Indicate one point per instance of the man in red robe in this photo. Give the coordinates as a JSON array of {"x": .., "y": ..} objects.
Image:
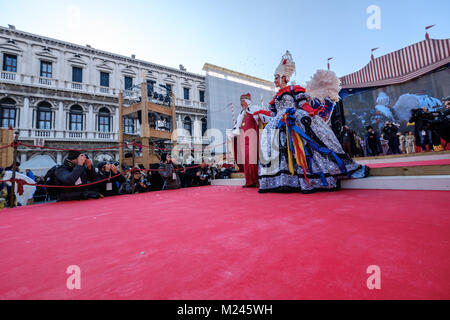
[{"x": 248, "y": 141}]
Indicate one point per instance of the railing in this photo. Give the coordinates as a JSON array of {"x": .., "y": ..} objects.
[
  {"x": 45, "y": 81},
  {"x": 42, "y": 133},
  {"x": 77, "y": 86},
  {"x": 104, "y": 90},
  {"x": 128, "y": 93},
  {"x": 63, "y": 135},
  {"x": 75, "y": 134},
  {"x": 10, "y": 76},
  {"x": 103, "y": 135}
]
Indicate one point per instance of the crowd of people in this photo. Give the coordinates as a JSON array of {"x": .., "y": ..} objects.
[
  {"x": 430, "y": 131},
  {"x": 110, "y": 179},
  {"x": 389, "y": 141}
]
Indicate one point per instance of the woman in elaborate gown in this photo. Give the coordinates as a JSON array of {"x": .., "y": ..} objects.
[{"x": 298, "y": 149}]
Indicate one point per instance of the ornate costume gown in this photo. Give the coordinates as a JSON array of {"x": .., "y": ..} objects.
[{"x": 299, "y": 151}]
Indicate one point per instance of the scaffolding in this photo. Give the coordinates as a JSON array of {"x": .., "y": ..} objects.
[{"x": 149, "y": 136}]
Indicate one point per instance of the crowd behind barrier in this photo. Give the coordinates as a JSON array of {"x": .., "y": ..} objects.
[
  {"x": 77, "y": 178},
  {"x": 430, "y": 131}
]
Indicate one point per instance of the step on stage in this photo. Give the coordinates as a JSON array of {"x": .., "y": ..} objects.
[
  {"x": 422, "y": 171},
  {"x": 224, "y": 242}
]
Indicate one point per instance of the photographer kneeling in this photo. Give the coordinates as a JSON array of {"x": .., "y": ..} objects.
[{"x": 76, "y": 170}]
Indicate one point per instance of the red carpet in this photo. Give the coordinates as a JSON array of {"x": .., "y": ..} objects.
[
  {"x": 230, "y": 243},
  {"x": 441, "y": 162}
]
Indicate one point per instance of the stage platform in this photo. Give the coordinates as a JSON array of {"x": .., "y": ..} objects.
[
  {"x": 423, "y": 171},
  {"x": 230, "y": 243}
]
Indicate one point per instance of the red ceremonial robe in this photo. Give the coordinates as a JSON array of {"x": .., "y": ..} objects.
[{"x": 249, "y": 149}]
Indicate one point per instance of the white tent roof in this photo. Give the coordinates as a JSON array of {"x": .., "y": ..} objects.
[{"x": 39, "y": 164}]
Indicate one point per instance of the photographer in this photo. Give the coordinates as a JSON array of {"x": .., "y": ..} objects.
[
  {"x": 446, "y": 111},
  {"x": 202, "y": 176},
  {"x": 348, "y": 141},
  {"x": 168, "y": 173},
  {"x": 109, "y": 187},
  {"x": 372, "y": 142},
  {"x": 155, "y": 178},
  {"x": 141, "y": 184},
  {"x": 444, "y": 128},
  {"x": 390, "y": 134},
  {"x": 429, "y": 127},
  {"x": 76, "y": 170}
]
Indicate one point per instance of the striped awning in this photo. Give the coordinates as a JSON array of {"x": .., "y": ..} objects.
[{"x": 401, "y": 66}]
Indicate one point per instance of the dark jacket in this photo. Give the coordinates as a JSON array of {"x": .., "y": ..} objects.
[
  {"x": 369, "y": 150},
  {"x": 67, "y": 175},
  {"x": 127, "y": 187},
  {"x": 204, "y": 179},
  {"x": 390, "y": 132},
  {"x": 168, "y": 173},
  {"x": 116, "y": 183}
]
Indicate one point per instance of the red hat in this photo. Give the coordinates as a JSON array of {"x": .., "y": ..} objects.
[{"x": 246, "y": 96}]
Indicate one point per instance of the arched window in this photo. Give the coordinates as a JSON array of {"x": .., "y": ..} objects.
[
  {"x": 8, "y": 112},
  {"x": 76, "y": 118},
  {"x": 104, "y": 120},
  {"x": 44, "y": 116},
  {"x": 204, "y": 126},
  {"x": 188, "y": 125}
]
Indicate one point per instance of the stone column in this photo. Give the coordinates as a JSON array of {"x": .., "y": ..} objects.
[
  {"x": 180, "y": 126},
  {"x": 60, "y": 125},
  {"x": 25, "y": 114},
  {"x": 59, "y": 157},
  {"x": 23, "y": 157},
  {"x": 90, "y": 125},
  {"x": 197, "y": 132},
  {"x": 116, "y": 119}
]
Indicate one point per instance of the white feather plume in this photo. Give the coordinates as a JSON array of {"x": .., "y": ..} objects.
[{"x": 324, "y": 84}]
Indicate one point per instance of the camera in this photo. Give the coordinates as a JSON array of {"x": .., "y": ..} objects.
[{"x": 437, "y": 121}]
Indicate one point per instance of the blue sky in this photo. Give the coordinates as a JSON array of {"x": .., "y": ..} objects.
[{"x": 248, "y": 36}]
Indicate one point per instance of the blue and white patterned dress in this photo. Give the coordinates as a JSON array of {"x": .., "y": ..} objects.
[{"x": 327, "y": 161}]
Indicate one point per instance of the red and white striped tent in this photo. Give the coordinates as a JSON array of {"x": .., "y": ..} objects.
[{"x": 401, "y": 65}]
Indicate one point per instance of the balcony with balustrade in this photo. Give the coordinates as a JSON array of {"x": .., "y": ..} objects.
[
  {"x": 46, "y": 81},
  {"x": 8, "y": 76},
  {"x": 68, "y": 135},
  {"x": 190, "y": 104}
]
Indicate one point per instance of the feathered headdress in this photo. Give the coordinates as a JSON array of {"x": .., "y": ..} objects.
[
  {"x": 324, "y": 84},
  {"x": 286, "y": 67}
]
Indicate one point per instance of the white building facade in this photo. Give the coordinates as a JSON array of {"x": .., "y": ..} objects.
[
  {"x": 66, "y": 96},
  {"x": 225, "y": 88}
]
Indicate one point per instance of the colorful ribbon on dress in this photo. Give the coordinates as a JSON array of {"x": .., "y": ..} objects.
[{"x": 295, "y": 146}]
